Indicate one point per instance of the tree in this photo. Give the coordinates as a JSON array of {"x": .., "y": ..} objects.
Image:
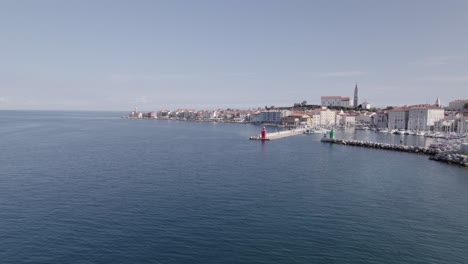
[{"x": 465, "y": 106}]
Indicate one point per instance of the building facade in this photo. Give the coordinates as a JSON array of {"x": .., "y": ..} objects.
[
  {"x": 398, "y": 118},
  {"x": 380, "y": 120},
  {"x": 422, "y": 118},
  {"x": 297, "y": 119},
  {"x": 324, "y": 117},
  {"x": 335, "y": 101},
  {"x": 343, "y": 119},
  {"x": 273, "y": 116},
  {"x": 457, "y": 105}
]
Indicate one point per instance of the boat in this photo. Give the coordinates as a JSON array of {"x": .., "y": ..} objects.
[
  {"x": 438, "y": 145},
  {"x": 401, "y": 132},
  {"x": 429, "y": 134},
  {"x": 315, "y": 131},
  {"x": 420, "y": 133},
  {"x": 361, "y": 128}
]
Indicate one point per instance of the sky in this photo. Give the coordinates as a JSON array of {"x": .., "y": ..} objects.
[{"x": 117, "y": 55}]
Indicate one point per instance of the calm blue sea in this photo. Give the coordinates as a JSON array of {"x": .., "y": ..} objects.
[{"x": 85, "y": 187}]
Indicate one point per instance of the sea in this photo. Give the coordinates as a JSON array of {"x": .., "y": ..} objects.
[{"x": 92, "y": 187}]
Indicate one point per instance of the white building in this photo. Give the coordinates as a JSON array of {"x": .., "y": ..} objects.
[
  {"x": 327, "y": 117},
  {"x": 335, "y": 101},
  {"x": 365, "y": 105},
  {"x": 135, "y": 114},
  {"x": 244, "y": 115},
  {"x": 343, "y": 119},
  {"x": 316, "y": 118},
  {"x": 207, "y": 114},
  {"x": 457, "y": 105},
  {"x": 324, "y": 117},
  {"x": 365, "y": 117},
  {"x": 398, "y": 118},
  {"x": 422, "y": 118}
]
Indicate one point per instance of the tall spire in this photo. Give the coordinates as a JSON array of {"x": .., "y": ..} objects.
[{"x": 356, "y": 96}]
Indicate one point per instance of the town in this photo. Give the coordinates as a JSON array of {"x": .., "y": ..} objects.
[{"x": 341, "y": 112}]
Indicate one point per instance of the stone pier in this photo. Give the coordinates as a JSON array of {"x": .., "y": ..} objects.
[{"x": 280, "y": 134}]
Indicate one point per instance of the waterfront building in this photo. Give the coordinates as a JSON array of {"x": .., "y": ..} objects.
[
  {"x": 183, "y": 114},
  {"x": 355, "y": 101},
  {"x": 364, "y": 117},
  {"x": 422, "y": 117},
  {"x": 398, "y": 118},
  {"x": 149, "y": 115},
  {"x": 295, "y": 119},
  {"x": 380, "y": 119},
  {"x": 209, "y": 114},
  {"x": 255, "y": 117},
  {"x": 316, "y": 118},
  {"x": 163, "y": 114},
  {"x": 335, "y": 101},
  {"x": 457, "y": 105},
  {"x": 273, "y": 116},
  {"x": 244, "y": 115},
  {"x": 324, "y": 117},
  {"x": 228, "y": 114},
  {"x": 345, "y": 119}
]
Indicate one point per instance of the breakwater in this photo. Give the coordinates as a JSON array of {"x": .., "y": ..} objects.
[
  {"x": 451, "y": 157},
  {"x": 386, "y": 146},
  {"x": 437, "y": 154},
  {"x": 280, "y": 134}
]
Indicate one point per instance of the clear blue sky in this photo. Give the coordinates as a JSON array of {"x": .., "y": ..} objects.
[{"x": 115, "y": 55}]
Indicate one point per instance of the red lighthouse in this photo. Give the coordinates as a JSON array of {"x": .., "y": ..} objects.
[{"x": 264, "y": 133}]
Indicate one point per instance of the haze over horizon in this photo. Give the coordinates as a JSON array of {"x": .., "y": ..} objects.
[{"x": 117, "y": 55}]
